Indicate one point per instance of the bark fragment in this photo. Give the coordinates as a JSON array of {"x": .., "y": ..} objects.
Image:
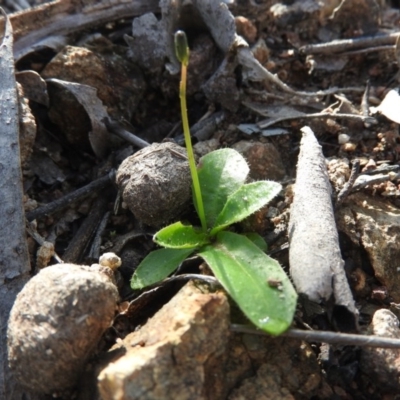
[
  {"x": 316, "y": 264},
  {"x": 14, "y": 258},
  {"x": 176, "y": 354}
]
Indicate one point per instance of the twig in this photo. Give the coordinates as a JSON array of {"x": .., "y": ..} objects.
[
  {"x": 72, "y": 197},
  {"x": 367, "y": 180},
  {"x": 350, "y": 183},
  {"x": 382, "y": 169},
  {"x": 365, "y": 119},
  {"x": 61, "y": 18},
  {"x": 204, "y": 128},
  {"x": 95, "y": 248},
  {"x": 345, "y": 339},
  {"x": 86, "y": 231},
  {"x": 260, "y": 73},
  {"x": 115, "y": 128},
  {"x": 187, "y": 277},
  {"x": 369, "y": 50},
  {"x": 342, "y": 45},
  {"x": 40, "y": 240}
]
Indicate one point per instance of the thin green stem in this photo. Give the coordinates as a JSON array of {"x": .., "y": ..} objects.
[{"x": 189, "y": 148}]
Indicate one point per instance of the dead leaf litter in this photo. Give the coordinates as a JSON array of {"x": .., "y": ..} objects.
[{"x": 102, "y": 166}]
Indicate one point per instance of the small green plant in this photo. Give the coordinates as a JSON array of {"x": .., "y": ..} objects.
[{"x": 255, "y": 281}]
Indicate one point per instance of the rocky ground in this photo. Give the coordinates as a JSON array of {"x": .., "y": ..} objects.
[{"x": 93, "y": 93}]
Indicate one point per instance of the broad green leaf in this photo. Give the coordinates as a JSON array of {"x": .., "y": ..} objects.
[
  {"x": 257, "y": 239},
  {"x": 157, "y": 265},
  {"x": 221, "y": 173},
  {"x": 179, "y": 236},
  {"x": 255, "y": 281},
  {"x": 245, "y": 201}
]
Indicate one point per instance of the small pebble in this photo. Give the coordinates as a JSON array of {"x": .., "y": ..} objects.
[
  {"x": 343, "y": 138},
  {"x": 246, "y": 28}
]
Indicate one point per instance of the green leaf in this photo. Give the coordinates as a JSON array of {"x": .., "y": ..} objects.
[
  {"x": 255, "y": 281},
  {"x": 257, "y": 239},
  {"x": 221, "y": 173},
  {"x": 179, "y": 236},
  {"x": 157, "y": 265},
  {"x": 245, "y": 201}
]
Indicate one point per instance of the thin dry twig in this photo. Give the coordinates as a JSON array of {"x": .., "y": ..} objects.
[
  {"x": 364, "y": 180},
  {"x": 82, "y": 238},
  {"x": 365, "y": 119},
  {"x": 345, "y": 45},
  {"x": 115, "y": 128},
  {"x": 72, "y": 197},
  {"x": 260, "y": 73},
  {"x": 345, "y": 339},
  {"x": 177, "y": 278},
  {"x": 40, "y": 240},
  {"x": 350, "y": 183}
]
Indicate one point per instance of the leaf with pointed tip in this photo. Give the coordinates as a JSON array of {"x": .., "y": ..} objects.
[
  {"x": 221, "y": 173},
  {"x": 157, "y": 265},
  {"x": 245, "y": 201},
  {"x": 257, "y": 239},
  {"x": 179, "y": 236},
  {"x": 256, "y": 282}
]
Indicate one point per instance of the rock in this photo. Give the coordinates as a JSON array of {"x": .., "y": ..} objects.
[
  {"x": 338, "y": 171},
  {"x": 155, "y": 183},
  {"x": 265, "y": 386},
  {"x": 176, "y": 355},
  {"x": 382, "y": 366},
  {"x": 284, "y": 367},
  {"x": 119, "y": 83},
  {"x": 375, "y": 223},
  {"x": 187, "y": 352},
  {"x": 55, "y": 325},
  {"x": 206, "y": 146},
  {"x": 263, "y": 158}
]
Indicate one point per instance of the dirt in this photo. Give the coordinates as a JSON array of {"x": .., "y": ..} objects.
[{"x": 66, "y": 143}]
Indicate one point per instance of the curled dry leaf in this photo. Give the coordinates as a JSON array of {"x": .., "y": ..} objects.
[
  {"x": 51, "y": 22},
  {"x": 87, "y": 98},
  {"x": 316, "y": 264},
  {"x": 390, "y": 106},
  {"x": 103, "y": 66}
]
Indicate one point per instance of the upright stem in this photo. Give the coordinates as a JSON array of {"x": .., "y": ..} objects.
[{"x": 189, "y": 148}]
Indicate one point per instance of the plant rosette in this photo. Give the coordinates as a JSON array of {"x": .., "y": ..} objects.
[{"x": 255, "y": 281}]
